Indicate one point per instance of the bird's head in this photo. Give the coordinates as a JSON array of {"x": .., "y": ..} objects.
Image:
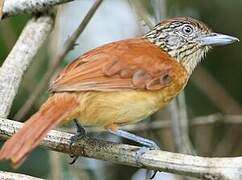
[{"x": 186, "y": 39}]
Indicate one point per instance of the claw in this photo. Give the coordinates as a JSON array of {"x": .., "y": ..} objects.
[
  {"x": 74, "y": 158},
  {"x": 147, "y": 145},
  {"x": 81, "y": 133},
  {"x": 153, "y": 174},
  {"x": 141, "y": 152}
]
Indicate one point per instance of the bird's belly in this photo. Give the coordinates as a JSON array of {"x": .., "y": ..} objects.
[{"x": 106, "y": 109}]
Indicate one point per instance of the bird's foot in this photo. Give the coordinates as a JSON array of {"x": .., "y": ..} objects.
[
  {"x": 146, "y": 143},
  {"x": 151, "y": 145},
  {"x": 81, "y": 133}
]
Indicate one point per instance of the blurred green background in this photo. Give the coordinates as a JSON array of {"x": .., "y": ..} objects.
[{"x": 223, "y": 64}]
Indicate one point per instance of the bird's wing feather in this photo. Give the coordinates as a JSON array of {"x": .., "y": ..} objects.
[{"x": 123, "y": 65}]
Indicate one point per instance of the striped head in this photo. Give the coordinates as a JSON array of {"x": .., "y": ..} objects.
[{"x": 186, "y": 39}]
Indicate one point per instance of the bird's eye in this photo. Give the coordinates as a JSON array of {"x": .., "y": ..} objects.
[{"x": 187, "y": 29}]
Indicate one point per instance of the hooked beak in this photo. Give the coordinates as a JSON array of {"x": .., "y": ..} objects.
[{"x": 216, "y": 39}]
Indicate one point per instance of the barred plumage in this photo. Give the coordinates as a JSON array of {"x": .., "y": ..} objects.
[{"x": 183, "y": 47}]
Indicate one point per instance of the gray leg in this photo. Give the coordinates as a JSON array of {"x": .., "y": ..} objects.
[{"x": 145, "y": 142}]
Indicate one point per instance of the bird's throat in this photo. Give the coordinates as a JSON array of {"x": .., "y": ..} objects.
[
  {"x": 190, "y": 61},
  {"x": 189, "y": 58}
]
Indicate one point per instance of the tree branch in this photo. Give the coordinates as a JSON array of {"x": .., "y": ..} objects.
[
  {"x": 16, "y": 176},
  {"x": 12, "y": 70},
  {"x": 15, "y": 7},
  {"x": 201, "y": 167}
]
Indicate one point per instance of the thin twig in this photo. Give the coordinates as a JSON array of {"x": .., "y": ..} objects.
[
  {"x": 15, "y": 7},
  {"x": 13, "y": 68},
  {"x": 68, "y": 45},
  {"x": 201, "y": 167},
  {"x": 159, "y": 7},
  {"x": 180, "y": 127},
  {"x": 142, "y": 14}
]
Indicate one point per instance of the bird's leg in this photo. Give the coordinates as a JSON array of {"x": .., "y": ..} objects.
[
  {"x": 151, "y": 145},
  {"x": 79, "y": 135},
  {"x": 80, "y": 130},
  {"x": 143, "y": 141}
]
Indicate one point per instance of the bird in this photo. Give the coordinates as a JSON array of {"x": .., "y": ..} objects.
[{"x": 119, "y": 83}]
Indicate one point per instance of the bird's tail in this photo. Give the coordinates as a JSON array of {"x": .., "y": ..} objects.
[{"x": 56, "y": 109}]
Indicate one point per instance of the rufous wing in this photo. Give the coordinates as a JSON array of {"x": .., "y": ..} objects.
[{"x": 123, "y": 65}]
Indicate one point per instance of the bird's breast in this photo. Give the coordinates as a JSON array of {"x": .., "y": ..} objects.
[{"x": 106, "y": 109}]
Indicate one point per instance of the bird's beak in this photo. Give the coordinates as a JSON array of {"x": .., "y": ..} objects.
[{"x": 216, "y": 39}]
